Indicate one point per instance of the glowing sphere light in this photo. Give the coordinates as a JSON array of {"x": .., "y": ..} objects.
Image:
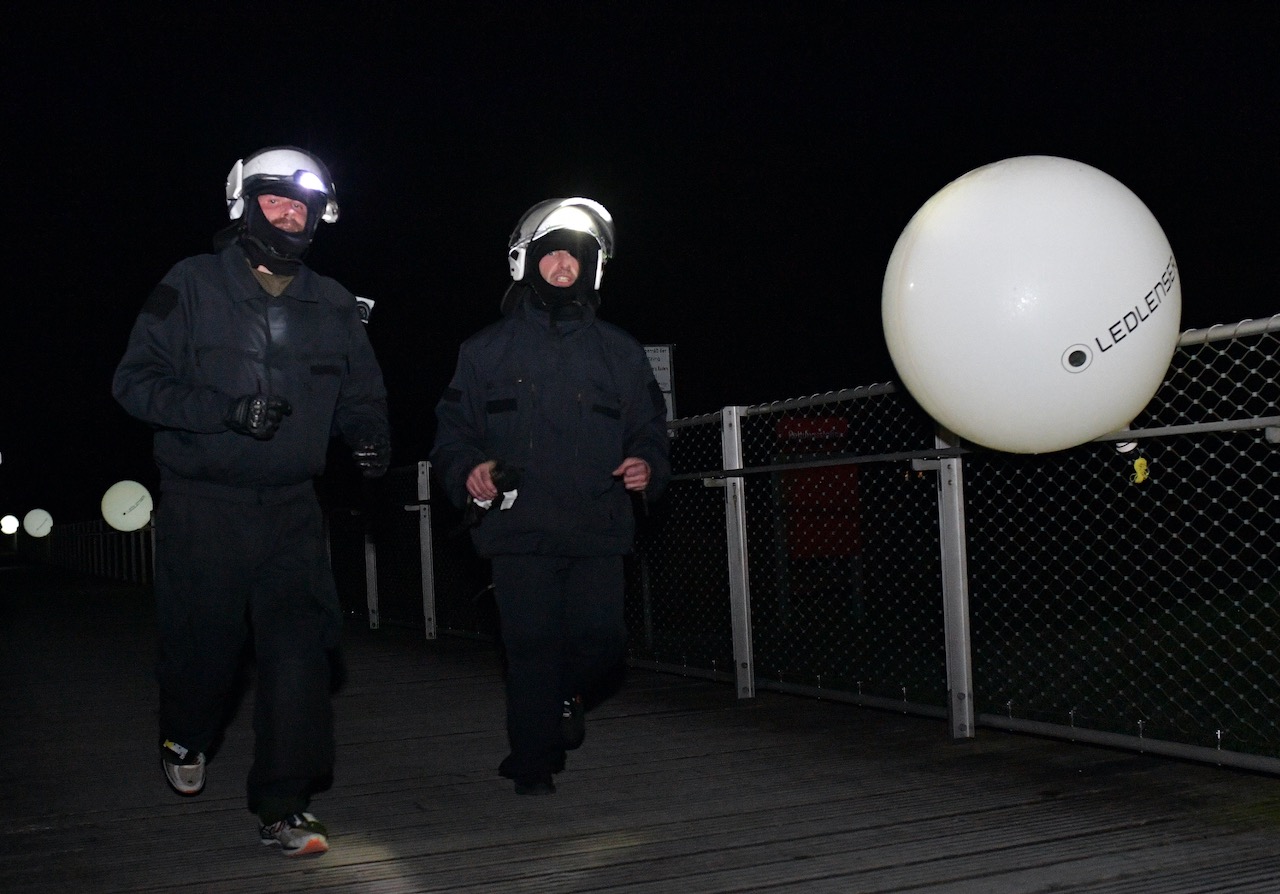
[
  {"x": 1032, "y": 305},
  {"x": 37, "y": 523}
]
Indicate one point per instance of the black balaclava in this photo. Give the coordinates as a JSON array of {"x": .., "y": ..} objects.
[
  {"x": 564, "y": 303},
  {"x": 268, "y": 245}
]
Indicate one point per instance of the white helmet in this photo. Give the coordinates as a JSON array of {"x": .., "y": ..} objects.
[
  {"x": 577, "y": 214},
  {"x": 280, "y": 165}
]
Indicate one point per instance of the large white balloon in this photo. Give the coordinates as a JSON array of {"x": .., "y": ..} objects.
[
  {"x": 126, "y": 506},
  {"x": 1032, "y": 305}
]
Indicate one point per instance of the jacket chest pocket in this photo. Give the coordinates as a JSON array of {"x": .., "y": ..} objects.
[
  {"x": 600, "y": 425},
  {"x": 322, "y": 377},
  {"x": 505, "y": 406}
]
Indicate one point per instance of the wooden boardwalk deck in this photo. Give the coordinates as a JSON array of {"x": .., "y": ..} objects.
[{"x": 679, "y": 788}]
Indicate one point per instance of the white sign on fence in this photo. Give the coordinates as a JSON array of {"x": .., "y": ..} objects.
[{"x": 660, "y": 360}]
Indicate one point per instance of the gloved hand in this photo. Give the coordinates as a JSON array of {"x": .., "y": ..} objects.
[
  {"x": 256, "y": 415},
  {"x": 505, "y": 477},
  {"x": 373, "y": 456}
]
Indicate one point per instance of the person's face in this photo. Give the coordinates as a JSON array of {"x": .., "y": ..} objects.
[
  {"x": 559, "y": 268},
  {"x": 283, "y": 213}
]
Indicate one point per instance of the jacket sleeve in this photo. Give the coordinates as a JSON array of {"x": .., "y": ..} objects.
[
  {"x": 153, "y": 381},
  {"x": 647, "y": 437},
  {"x": 459, "y": 444},
  {"x": 361, "y": 413}
]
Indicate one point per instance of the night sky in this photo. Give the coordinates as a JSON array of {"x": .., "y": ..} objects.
[{"x": 760, "y": 160}]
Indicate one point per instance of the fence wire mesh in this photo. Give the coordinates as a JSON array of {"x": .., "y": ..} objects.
[
  {"x": 1217, "y": 375},
  {"x": 677, "y": 607},
  {"x": 842, "y": 536},
  {"x": 1140, "y": 604}
]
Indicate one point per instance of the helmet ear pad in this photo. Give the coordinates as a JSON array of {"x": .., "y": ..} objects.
[{"x": 516, "y": 258}]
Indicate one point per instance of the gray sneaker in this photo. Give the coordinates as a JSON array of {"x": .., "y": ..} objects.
[
  {"x": 298, "y": 833},
  {"x": 184, "y": 775}
]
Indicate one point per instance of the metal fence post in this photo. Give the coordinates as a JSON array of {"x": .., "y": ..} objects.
[
  {"x": 371, "y": 580},
  {"x": 955, "y": 593},
  {"x": 735, "y": 514},
  {"x": 428, "y": 557}
]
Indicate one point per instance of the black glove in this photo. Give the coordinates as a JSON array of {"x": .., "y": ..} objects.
[
  {"x": 256, "y": 415},
  {"x": 373, "y": 456},
  {"x": 505, "y": 478}
]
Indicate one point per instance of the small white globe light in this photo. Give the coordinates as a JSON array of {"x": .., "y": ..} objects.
[
  {"x": 37, "y": 523},
  {"x": 1032, "y": 305},
  {"x": 126, "y": 506},
  {"x": 9, "y": 524}
]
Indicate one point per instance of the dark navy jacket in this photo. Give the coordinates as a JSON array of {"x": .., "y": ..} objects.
[
  {"x": 209, "y": 333},
  {"x": 565, "y": 404}
]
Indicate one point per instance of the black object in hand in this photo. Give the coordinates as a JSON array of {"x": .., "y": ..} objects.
[
  {"x": 256, "y": 415},
  {"x": 505, "y": 478},
  {"x": 373, "y": 456}
]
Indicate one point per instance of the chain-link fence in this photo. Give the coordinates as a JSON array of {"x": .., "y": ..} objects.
[
  {"x": 1126, "y": 591},
  {"x": 845, "y": 568},
  {"x": 680, "y": 616}
]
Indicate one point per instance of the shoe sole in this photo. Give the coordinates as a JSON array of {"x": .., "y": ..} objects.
[
  {"x": 317, "y": 844},
  {"x": 185, "y": 790},
  {"x": 313, "y": 846}
]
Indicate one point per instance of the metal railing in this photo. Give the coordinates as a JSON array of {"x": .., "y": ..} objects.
[{"x": 94, "y": 547}]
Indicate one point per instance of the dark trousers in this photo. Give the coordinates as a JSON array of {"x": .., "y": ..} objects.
[
  {"x": 564, "y": 634},
  {"x": 236, "y": 580}
]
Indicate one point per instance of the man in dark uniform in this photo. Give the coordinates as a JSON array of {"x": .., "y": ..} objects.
[
  {"x": 553, "y": 421},
  {"x": 246, "y": 363}
]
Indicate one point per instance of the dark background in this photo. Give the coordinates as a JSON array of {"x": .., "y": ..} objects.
[{"x": 760, "y": 160}]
